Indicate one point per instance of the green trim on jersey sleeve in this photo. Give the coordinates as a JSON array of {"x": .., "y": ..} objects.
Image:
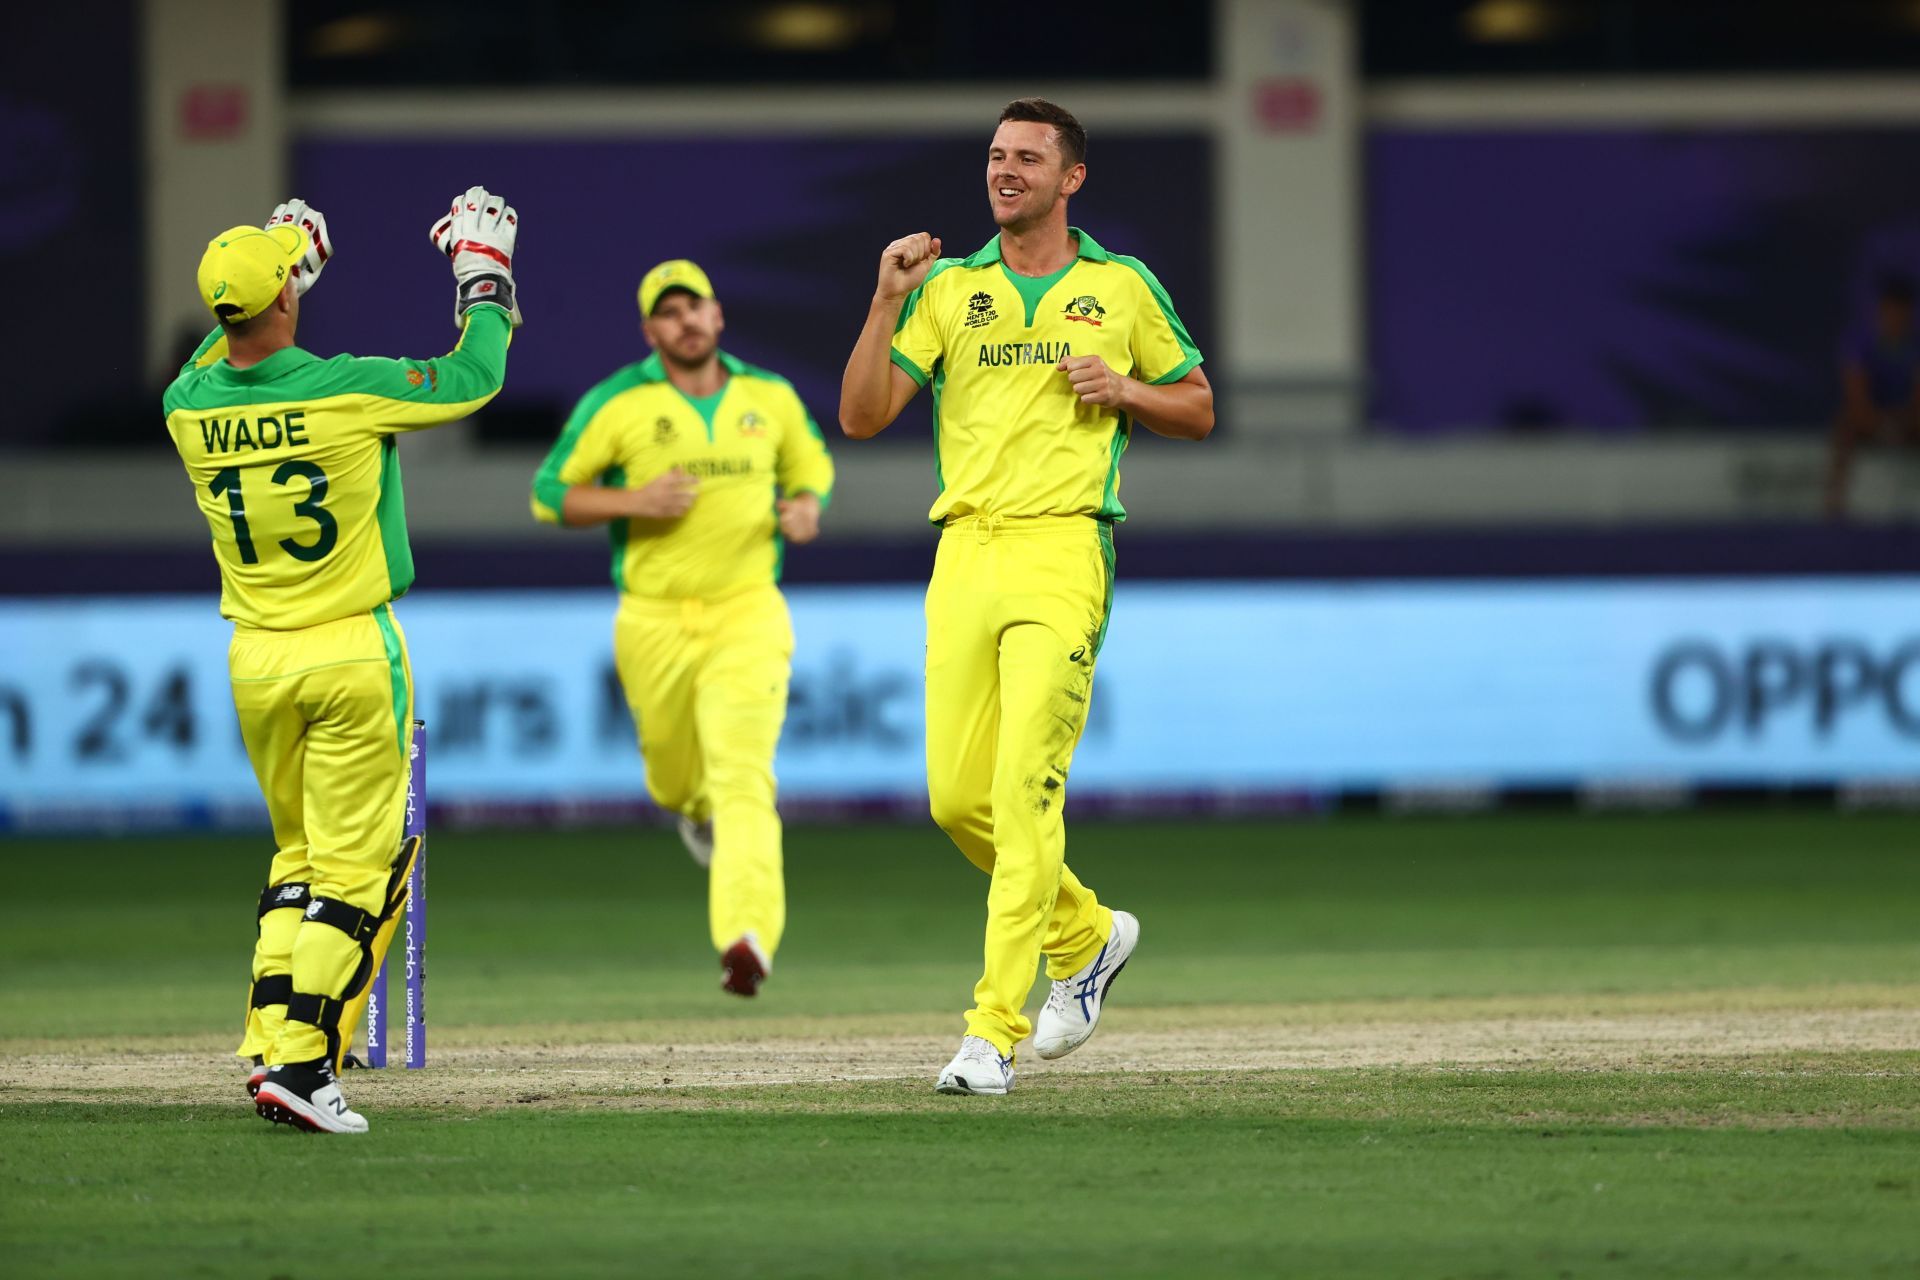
[
  {"x": 780, "y": 544},
  {"x": 549, "y": 491},
  {"x": 396, "y": 675},
  {"x": 903, "y": 362},
  {"x": 826, "y": 495},
  {"x": 1191, "y": 356},
  {"x": 798, "y": 408},
  {"x": 390, "y": 514},
  {"x": 1178, "y": 371},
  {"x": 908, "y": 367}
]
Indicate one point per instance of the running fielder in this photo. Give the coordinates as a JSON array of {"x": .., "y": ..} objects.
[
  {"x": 1043, "y": 350},
  {"x": 296, "y": 465},
  {"x": 702, "y": 467}
]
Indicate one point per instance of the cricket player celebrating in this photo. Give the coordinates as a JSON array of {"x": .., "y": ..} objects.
[
  {"x": 295, "y": 462},
  {"x": 1043, "y": 349},
  {"x": 702, "y": 467}
]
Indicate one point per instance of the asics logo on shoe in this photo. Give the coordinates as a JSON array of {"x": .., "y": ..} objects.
[{"x": 1089, "y": 985}]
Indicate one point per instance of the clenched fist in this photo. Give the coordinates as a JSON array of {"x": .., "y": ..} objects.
[
  {"x": 906, "y": 262},
  {"x": 1093, "y": 382},
  {"x": 799, "y": 517}
]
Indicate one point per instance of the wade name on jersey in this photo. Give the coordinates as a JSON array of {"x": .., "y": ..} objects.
[{"x": 283, "y": 429}]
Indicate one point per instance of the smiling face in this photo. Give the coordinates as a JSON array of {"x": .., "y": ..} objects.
[
  {"x": 683, "y": 328},
  {"x": 1027, "y": 176}
]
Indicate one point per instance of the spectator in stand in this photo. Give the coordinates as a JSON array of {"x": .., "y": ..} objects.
[{"x": 1880, "y": 387}]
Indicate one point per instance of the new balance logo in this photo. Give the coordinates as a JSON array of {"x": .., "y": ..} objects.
[{"x": 290, "y": 892}]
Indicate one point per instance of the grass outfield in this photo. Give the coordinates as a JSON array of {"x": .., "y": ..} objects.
[{"x": 1507, "y": 1046}]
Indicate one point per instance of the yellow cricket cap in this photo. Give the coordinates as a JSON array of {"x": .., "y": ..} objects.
[
  {"x": 677, "y": 274},
  {"x": 244, "y": 268}
]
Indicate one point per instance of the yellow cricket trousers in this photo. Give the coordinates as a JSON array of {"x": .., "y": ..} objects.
[
  {"x": 1016, "y": 613},
  {"x": 326, "y": 713},
  {"x": 707, "y": 683}
]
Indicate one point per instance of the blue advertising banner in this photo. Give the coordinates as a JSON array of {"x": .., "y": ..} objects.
[{"x": 117, "y": 710}]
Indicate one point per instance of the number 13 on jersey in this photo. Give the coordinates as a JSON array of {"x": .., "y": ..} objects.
[{"x": 307, "y": 506}]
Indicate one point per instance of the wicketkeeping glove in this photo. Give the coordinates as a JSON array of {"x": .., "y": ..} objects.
[
  {"x": 478, "y": 236},
  {"x": 300, "y": 214}
]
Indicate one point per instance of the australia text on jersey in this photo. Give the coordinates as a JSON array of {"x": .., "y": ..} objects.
[{"x": 997, "y": 354}]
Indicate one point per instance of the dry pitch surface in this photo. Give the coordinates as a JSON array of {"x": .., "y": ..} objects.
[{"x": 665, "y": 1063}]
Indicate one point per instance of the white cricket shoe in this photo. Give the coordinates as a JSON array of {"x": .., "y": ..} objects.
[
  {"x": 306, "y": 1095},
  {"x": 977, "y": 1068},
  {"x": 1072, "y": 1010},
  {"x": 698, "y": 837}
]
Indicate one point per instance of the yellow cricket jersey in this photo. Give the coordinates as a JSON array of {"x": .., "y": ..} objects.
[
  {"x": 1010, "y": 436},
  {"x": 297, "y": 469},
  {"x": 753, "y": 436}
]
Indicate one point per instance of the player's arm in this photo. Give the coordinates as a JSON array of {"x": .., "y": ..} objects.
[
  {"x": 883, "y": 374},
  {"x": 805, "y": 472},
  {"x": 1179, "y": 410},
  {"x": 666, "y": 497},
  {"x": 1167, "y": 393},
  {"x": 426, "y": 393},
  {"x": 579, "y": 483},
  {"x": 478, "y": 236},
  {"x": 212, "y": 349}
]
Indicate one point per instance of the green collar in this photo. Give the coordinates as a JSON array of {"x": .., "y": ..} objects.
[
  {"x": 989, "y": 252},
  {"x": 654, "y": 369},
  {"x": 280, "y": 363}
]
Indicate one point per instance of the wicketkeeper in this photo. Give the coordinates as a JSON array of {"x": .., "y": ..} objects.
[{"x": 296, "y": 465}]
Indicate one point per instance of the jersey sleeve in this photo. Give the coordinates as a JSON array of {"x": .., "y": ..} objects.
[
  {"x": 1162, "y": 351},
  {"x": 587, "y": 449},
  {"x": 917, "y": 343},
  {"x": 804, "y": 465},
  {"x": 212, "y": 349},
  {"x": 426, "y": 393}
]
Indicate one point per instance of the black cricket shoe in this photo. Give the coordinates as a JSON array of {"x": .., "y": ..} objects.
[{"x": 306, "y": 1095}]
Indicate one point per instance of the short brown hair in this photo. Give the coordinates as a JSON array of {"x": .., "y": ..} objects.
[{"x": 1072, "y": 138}]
